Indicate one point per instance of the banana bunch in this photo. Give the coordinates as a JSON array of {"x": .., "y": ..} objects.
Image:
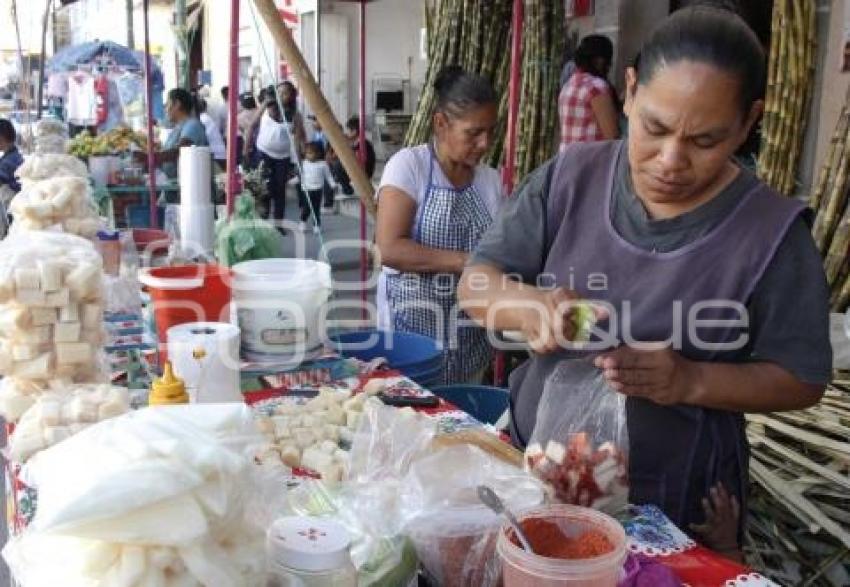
[{"x": 117, "y": 140}]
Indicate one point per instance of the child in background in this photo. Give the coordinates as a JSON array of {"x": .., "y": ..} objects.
[
  {"x": 722, "y": 523},
  {"x": 315, "y": 172}
]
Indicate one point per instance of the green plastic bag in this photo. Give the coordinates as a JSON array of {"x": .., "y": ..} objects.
[{"x": 246, "y": 237}]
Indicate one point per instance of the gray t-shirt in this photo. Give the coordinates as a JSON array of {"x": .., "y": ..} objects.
[{"x": 789, "y": 308}]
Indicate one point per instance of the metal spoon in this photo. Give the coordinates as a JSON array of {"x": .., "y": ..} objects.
[{"x": 489, "y": 498}]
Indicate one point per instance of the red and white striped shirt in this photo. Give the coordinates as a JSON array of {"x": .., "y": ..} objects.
[{"x": 578, "y": 123}]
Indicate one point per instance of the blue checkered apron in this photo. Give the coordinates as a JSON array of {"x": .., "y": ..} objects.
[{"x": 426, "y": 303}]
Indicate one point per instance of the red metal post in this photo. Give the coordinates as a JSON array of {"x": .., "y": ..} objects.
[
  {"x": 509, "y": 169},
  {"x": 361, "y": 154},
  {"x": 149, "y": 107},
  {"x": 233, "y": 98}
]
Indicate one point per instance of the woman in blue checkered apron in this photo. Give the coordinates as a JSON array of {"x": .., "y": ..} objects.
[{"x": 435, "y": 202}]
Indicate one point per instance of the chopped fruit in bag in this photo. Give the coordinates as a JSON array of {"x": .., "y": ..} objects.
[{"x": 580, "y": 474}]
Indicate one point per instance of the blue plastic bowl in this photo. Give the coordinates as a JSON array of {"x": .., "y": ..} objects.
[
  {"x": 428, "y": 378},
  {"x": 402, "y": 350},
  {"x": 483, "y": 402}
]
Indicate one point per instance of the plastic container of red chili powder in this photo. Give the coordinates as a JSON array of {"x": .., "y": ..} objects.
[{"x": 590, "y": 548}]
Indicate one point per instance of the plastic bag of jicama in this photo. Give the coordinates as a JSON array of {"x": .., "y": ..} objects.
[
  {"x": 580, "y": 441},
  {"x": 62, "y": 202},
  {"x": 51, "y": 313}
]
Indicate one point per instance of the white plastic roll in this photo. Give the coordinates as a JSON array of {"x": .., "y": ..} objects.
[
  {"x": 206, "y": 356},
  {"x": 197, "y": 213}
]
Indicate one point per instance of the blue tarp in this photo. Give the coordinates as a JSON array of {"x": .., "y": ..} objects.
[{"x": 88, "y": 53}]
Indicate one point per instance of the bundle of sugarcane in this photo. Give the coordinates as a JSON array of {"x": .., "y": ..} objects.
[
  {"x": 475, "y": 34},
  {"x": 799, "y": 524},
  {"x": 789, "y": 91},
  {"x": 470, "y": 33},
  {"x": 542, "y": 58},
  {"x": 829, "y": 201}
]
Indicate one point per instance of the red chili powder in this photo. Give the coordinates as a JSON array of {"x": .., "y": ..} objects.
[{"x": 548, "y": 540}]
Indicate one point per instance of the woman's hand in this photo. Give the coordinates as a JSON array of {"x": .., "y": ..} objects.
[
  {"x": 554, "y": 319},
  {"x": 661, "y": 374}
]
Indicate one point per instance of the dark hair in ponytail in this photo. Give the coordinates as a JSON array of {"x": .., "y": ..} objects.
[
  {"x": 591, "y": 48},
  {"x": 458, "y": 91},
  {"x": 709, "y": 35}
]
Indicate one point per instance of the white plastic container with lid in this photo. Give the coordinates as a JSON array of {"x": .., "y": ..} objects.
[
  {"x": 279, "y": 305},
  {"x": 305, "y": 551}
]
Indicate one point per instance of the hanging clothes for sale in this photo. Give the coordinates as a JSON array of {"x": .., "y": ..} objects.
[
  {"x": 101, "y": 90},
  {"x": 82, "y": 102},
  {"x": 131, "y": 94},
  {"x": 114, "y": 110}
]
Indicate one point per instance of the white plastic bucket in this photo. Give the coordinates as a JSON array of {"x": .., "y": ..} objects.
[{"x": 278, "y": 304}]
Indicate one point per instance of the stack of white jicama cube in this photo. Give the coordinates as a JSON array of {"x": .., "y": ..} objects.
[
  {"x": 51, "y": 316},
  {"x": 54, "y": 194}
]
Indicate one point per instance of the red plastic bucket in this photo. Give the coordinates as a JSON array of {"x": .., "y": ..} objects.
[{"x": 187, "y": 293}]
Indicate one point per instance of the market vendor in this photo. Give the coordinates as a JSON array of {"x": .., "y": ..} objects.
[
  {"x": 186, "y": 131},
  {"x": 663, "y": 232},
  {"x": 434, "y": 203}
]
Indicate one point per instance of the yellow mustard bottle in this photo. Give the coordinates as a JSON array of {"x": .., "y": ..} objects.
[{"x": 168, "y": 390}]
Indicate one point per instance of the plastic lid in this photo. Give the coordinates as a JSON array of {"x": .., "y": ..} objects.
[
  {"x": 169, "y": 389},
  {"x": 305, "y": 543},
  {"x": 107, "y": 235}
]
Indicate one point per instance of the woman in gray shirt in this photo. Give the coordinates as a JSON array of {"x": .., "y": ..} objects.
[{"x": 711, "y": 294}]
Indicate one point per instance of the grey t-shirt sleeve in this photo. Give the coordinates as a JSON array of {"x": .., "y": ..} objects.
[
  {"x": 789, "y": 310},
  {"x": 516, "y": 241}
]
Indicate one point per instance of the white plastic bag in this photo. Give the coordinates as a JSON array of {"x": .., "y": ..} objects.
[{"x": 154, "y": 493}]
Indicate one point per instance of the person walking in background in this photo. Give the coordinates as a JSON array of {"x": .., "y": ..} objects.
[
  {"x": 275, "y": 154},
  {"x": 221, "y": 113},
  {"x": 10, "y": 160},
  {"x": 586, "y": 105},
  {"x": 214, "y": 138},
  {"x": 250, "y": 153},
  {"x": 352, "y": 133},
  {"x": 243, "y": 121},
  {"x": 315, "y": 176}
]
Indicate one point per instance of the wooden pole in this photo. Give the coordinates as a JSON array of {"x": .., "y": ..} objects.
[{"x": 317, "y": 102}]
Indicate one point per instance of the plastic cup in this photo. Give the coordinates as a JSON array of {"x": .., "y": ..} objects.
[{"x": 523, "y": 569}]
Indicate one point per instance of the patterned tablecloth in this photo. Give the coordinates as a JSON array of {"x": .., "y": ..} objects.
[{"x": 651, "y": 535}]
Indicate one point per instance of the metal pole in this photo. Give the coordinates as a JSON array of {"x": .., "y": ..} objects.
[
  {"x": 509, "y": 170},
  {"x": 41, "y": 73},
  {"x": 149, "y": 107},
  {"x": 361, "y": 155},
  {"x": 317, "y": 22},
  {"x": 182, "y": 44},
  {"x": 233, "y": 82},
  {"x": 131, "y": 41}
]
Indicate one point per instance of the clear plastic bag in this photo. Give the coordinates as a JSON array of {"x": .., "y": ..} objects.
[
  {"x": 454, "y": 533},
  {"x": 62, "y": 412},
  {"x": 47, "y": 166},
  {"x": 58, "y": 202},
  {"x": 51, "y": 309},
  {"x": 150, "y": 496},
  {"x": 580, "y": 441}
]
